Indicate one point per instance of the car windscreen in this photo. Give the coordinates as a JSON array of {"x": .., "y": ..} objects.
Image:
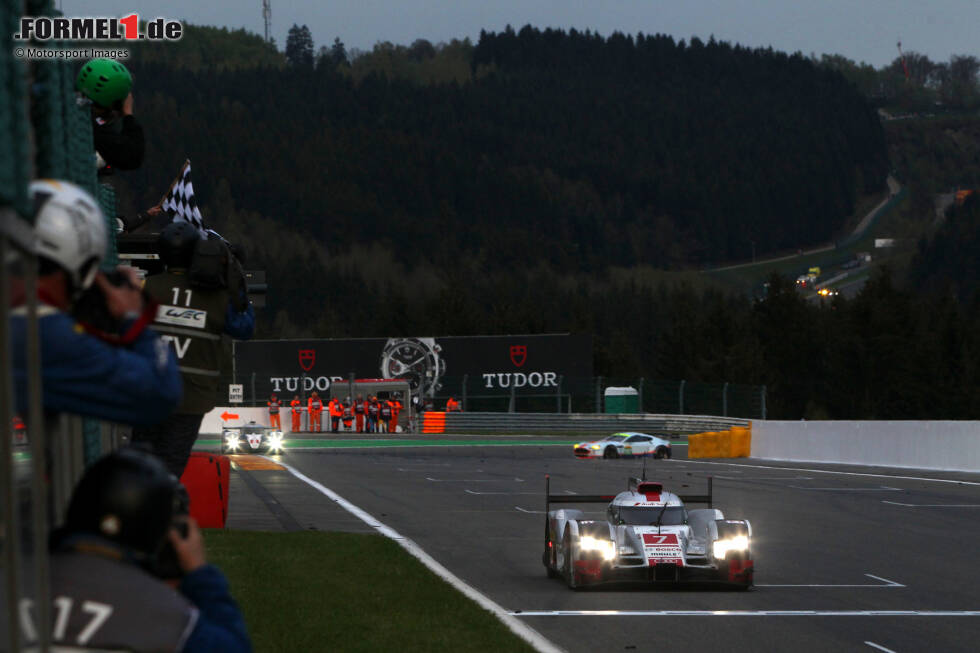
[
  {"x": 615, "y": 438},
  {"x": 647, "y": 516}
]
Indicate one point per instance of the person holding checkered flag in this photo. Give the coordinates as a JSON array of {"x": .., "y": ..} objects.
[
  {"x": 180, "y": 202},
  {"x": 201, "y": 299}
]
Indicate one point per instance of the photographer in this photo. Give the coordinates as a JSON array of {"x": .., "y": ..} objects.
[
  {"x": 126, "y": 518},
  {"x": 124, "y": 374},
  {"x": 196, "y": 308},
  {"x": 119, "y": 140}
]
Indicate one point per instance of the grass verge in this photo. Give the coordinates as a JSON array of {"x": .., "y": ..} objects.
[{"x": 317, "y": 591}]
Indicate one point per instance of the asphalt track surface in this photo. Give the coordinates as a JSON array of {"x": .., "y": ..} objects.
[{"x": 859, "y": 559}]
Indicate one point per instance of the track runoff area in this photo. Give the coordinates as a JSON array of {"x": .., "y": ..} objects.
[{"x": 847, "y": 558}]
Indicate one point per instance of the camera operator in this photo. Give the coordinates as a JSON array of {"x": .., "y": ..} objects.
[
  {"x": 124, "y": 374},
  {"x": 107, "y": 585},
  {"x": 196, "y": 308}
]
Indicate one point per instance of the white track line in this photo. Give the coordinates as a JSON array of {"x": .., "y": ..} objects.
[
  {"x": 933, "y": 505},
  {"x": 888, "y": 583},
  {"x": 883, "y": 488},
  {"x": 471, "y": 480},
  {"x": 765, "y": 478},
  {"x": 746, "y": 613},
  {"x": 503, "y": 493},
  {"x": 522, "y": 630},
  {"x": 830, "y": 471},
  {"x": 879, "y": 647},
  {"x": 422, "y": 446}
]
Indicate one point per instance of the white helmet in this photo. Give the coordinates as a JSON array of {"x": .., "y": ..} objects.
[{"x": 69, "y": 229}]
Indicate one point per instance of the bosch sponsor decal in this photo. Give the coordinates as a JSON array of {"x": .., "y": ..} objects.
[
  {"x": 180, "y": 316},
  {"x": 662, "y": 548}
]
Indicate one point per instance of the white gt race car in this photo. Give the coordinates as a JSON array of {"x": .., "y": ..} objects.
[
  {"x": 648, "y": 536},
  {"x": 251, "y": 438},
  {"x": 624, "y": 445}
]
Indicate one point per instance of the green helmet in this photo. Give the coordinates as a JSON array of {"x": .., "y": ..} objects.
[{"x": 104, "y": 81}]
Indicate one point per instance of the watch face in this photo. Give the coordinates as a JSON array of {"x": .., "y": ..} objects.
[{"x": 412, "y": 360}]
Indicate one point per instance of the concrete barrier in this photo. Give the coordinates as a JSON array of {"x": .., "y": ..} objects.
[
  {"x": 212, "y": 423},
  {"x": 945, "y": 445}
]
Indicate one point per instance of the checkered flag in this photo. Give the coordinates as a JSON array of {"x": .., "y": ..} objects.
[{"x": 179, "y": 202}]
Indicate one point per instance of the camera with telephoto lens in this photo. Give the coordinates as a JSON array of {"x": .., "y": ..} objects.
[
  {"x": 91, "y": 308},
  {"x": 166, "y": 565}
]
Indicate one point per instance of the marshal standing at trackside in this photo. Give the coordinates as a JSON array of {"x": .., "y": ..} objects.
[{"x": 195, "y": 310}]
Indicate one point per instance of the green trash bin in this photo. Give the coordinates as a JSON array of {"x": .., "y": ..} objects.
[{"x": 622, "y": 400}]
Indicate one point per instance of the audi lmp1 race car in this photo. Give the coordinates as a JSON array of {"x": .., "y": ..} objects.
[
  {"x": 624, "y": 445},
  {"x": 252, "y": 438},
  {"x": 648, "y": 536}
]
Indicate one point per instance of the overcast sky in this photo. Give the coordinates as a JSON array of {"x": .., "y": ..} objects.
[{"x": 862, "y": 30}]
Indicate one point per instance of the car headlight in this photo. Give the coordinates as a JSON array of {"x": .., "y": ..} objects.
[
  {"x": 595, "y": 446},
  {"x": 605, "y": 547},
  {"x": 275, "y": 441},
  {"x": 231, "y": 440},
  {"x": 737, "y": 543}
]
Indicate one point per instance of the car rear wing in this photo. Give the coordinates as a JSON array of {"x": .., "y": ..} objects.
[{"x": 634, "y": 485}]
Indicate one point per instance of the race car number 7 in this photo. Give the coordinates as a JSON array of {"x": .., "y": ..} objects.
[{"x": 658, "y": 539}]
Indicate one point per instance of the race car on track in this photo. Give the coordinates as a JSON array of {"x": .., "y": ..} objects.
[
  {"x": 251, "y": 438},
  {"x": 649, "y": 536},
  {"x": 624, "y": 445}
]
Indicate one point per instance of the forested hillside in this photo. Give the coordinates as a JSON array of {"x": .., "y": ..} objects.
[
  {"x": 531, "y": 183},
  {"x": 571, "y": 148}
]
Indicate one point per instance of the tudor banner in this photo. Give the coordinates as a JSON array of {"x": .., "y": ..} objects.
[{"x": 494, "y": 364}]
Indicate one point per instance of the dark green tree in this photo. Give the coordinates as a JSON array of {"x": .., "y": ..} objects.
[
  {"x": 299, "y": 47},
  {"x": 338, "y": 53}
]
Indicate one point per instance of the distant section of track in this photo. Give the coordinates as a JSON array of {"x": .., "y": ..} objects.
[{"x": 844, "y": 555}]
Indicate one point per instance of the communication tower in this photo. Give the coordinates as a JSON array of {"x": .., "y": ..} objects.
[{"x": 267, "y": 16}]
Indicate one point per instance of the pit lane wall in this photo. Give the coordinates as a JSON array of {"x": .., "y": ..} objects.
[{"x": 944, "y": 445}]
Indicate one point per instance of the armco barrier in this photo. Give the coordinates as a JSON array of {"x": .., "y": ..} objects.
[
  {"x": 945, "y": 445},
  {"x": 527, "y": 423},
  {"x": 579, "y": 423}
]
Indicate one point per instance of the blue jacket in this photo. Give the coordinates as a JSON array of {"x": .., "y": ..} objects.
[
  {"x": 221, "y": 627},
  {"x": 81, "y": 374}
]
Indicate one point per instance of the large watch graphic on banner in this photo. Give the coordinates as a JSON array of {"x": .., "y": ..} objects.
[{"x": 416, "y": 360}]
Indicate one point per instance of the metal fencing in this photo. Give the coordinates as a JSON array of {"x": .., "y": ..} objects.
[
  {"x": 588, "y": 395},
  {"x": 43, "y": 133},
  {"x": 585, "y": 423},
  {"x": 488, "y": 393}
]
